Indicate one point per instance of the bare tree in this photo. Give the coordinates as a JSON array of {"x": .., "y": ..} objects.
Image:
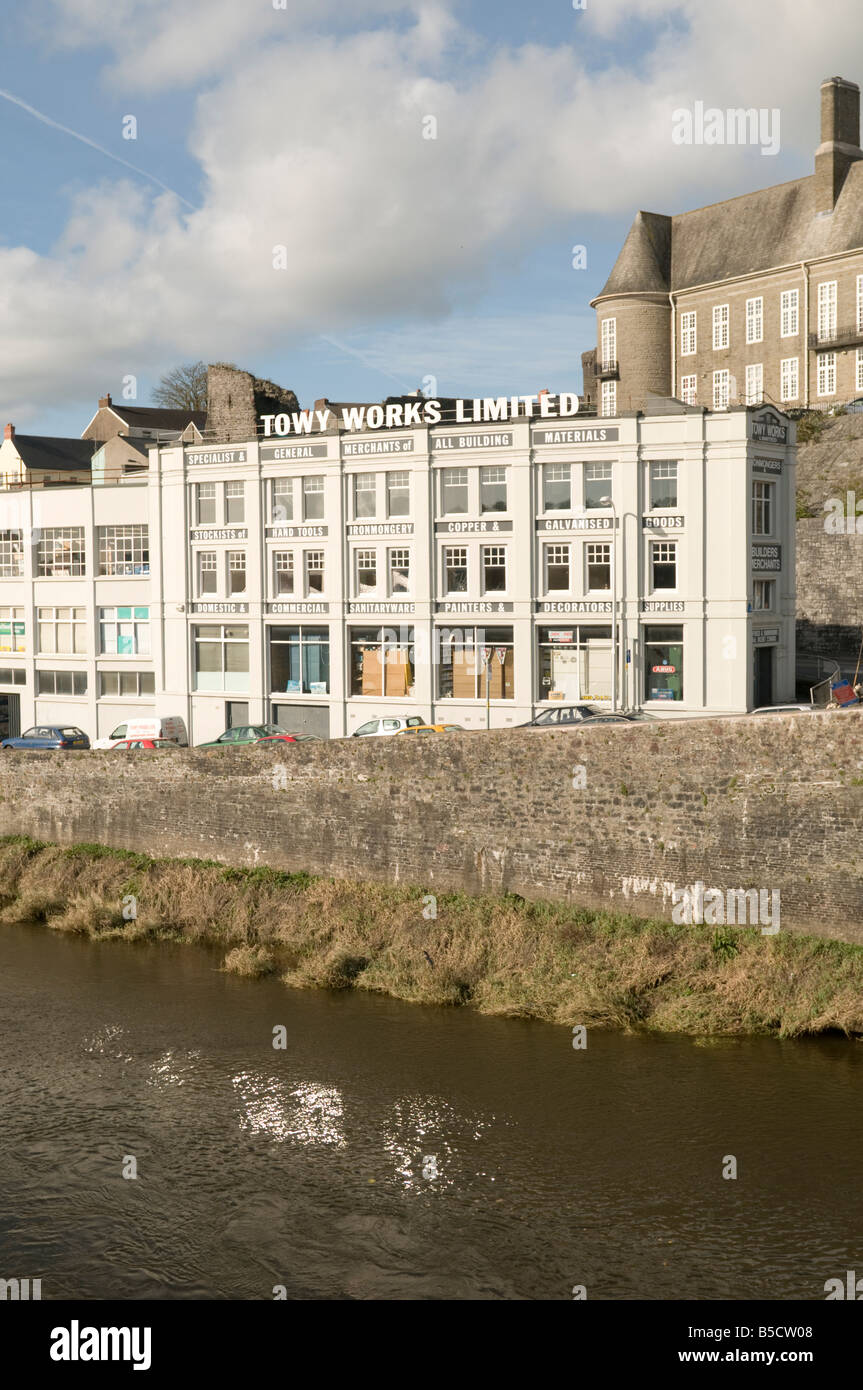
[{"x": 183, "y": 388}]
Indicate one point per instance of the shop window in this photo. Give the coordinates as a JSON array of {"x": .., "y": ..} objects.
[
  {"x": 663, "y": 663},
  {"x": 382, "y": 661},
  {"x": 299, "y": 660},
  {"x": 575, "y": 664},
  {"x": 463, "y": 673},
  {"x": 221, "y": 657}
]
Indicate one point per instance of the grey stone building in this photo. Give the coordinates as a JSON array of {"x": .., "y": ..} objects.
[{"x": 757, "y": 298}]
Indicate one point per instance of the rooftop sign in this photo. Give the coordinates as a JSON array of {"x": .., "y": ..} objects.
[{"x": 401, "y": 415}]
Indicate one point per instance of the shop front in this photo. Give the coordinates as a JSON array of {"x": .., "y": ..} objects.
[{"x": 574, "y": 663}]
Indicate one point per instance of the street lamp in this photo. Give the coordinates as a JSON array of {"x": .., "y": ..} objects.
[{"x": 608, "y": 502}]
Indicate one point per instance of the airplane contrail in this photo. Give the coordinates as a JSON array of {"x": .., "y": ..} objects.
[{"x": 85, "y": 140}]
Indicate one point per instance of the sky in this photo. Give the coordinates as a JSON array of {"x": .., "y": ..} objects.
[{"x": 359, "y": 200}]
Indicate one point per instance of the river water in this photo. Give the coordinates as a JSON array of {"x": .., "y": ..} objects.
[{"x": 397, "y": 1151}]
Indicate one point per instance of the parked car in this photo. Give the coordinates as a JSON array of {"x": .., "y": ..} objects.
[
  {"x": 245, "y": 734},
  {"x": 127, "y": 744},
  {"x": 802, "y": 707},
  {"x": 167, "y": 726},
  {"x": 49, "y": 736},
  {"x": 607, "y": 719},
  {"x": 433, "y": 729},
  {"x": 377, "y": 728},
  {"x": 561, "y": 714}
]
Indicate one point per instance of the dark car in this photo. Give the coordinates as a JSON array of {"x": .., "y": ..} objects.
[
  {"x": 49, "y": 736},
  {"x": 246, "y": 734},
  {"x": 562, "y": 714}
]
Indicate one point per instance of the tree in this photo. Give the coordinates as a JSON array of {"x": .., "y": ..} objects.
[{"x": 183, "y": 388}]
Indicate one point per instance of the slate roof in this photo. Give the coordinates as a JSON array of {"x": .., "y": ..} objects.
[
  {"x": 58, "y": 455},
  {"x": 741, "y": 236},
  {"x": 148, "y": 417}
]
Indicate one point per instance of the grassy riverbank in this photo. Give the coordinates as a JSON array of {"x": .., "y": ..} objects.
[{"x": 500, "y": 956}]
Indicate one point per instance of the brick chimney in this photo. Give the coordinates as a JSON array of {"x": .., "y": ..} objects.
[
  {"x": 104, "y": 402},
  {"x": 9, "y": 432},
  {"x": 840, "y": 140}
]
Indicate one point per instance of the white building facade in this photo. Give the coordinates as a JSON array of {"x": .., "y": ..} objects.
[{"x": 466, "y": 574}]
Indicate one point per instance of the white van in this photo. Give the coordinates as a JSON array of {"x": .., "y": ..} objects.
[{"x": 169, "y": 726}]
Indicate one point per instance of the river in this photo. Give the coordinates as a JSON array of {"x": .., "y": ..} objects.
[{"x": 395, "y": 1151}]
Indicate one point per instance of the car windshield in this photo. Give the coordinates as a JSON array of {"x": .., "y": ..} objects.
[{"x": 549, "y": 716}]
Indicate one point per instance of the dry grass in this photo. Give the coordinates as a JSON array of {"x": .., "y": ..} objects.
[{"x": 500, "y": 956}]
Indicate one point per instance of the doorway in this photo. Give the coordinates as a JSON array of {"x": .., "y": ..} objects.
[
  {"x": 10, "y": 716},
  {"x": 763, "y": 676}
]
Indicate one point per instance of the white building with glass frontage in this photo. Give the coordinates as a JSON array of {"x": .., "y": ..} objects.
[{"x": 467, "y": 574}]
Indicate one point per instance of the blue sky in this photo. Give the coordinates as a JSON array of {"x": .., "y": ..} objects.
[{"x": 407, "y": 257}]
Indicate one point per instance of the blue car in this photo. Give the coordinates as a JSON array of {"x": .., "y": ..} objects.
[{"x": 49, "y": 736}]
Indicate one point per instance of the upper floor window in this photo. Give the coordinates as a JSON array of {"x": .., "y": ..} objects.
[
  {"x": 11, "y": 554},
  {"x": 755, "y": 320},
  {"x": 205, "y": 504},
  {"x": 398, "y": 494},
  {"x": 608, "y": 342},
  {"x": 454, "y": 491},
  {"x": 12, "y": 633},
  {"x": 688, "y": 389},
  {"x": 365, "y": 494},
  {"x": 826, "y": 373},
  {"x": 62, "y": 630},
  {"x": 367, "y": 571},
  {"x": 124, "y": 631},
  {"x": 283, "y": 562},
  {"x": 493, "y": 561},
  {"x": 236, "y": 571},
  {"x": 663, "y": 564},
  {"x": 124, "y": 550},
  {"x": 281, "y": 499},
  {"x": 860, "y": 303},
  {"x": 687, "y": 333},
  {"x": 754, "y": 383},
  {"x": 313, "y": 498},
  {"x": 598, "y": 566},
  {"x": 208, "y": 572},
  {"x": 492, "y": 489},
  {"x": 789, "y": 313},
  {"x": 609, "y": 398},
  {"x": 827, "y": 309},
  {"x": 557, "y": 487},
  {"x": 235, "y": 503},
  {"x": 720, "y": 390},
  {"x": 557, "y": 559},
  {"x": 314, "y": 571},
  {"x": 789, "y": 388},
  {"x": 455, "y": 569},
  {"x": 60, "y": 552},
  {"x": 762, "y": 595},
  {"x": 400, "y": 571},
  {"x": 762, "y": 509},
  {"x": 597, "y": 485},
  {"x": 663, "y": 483},
  {"x": 721, "y": 335}
]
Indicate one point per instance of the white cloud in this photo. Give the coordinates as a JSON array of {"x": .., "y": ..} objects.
[{"x": 314, "y": 141}]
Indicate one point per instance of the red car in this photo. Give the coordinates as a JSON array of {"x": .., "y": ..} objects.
[
  {"x": 247, "y": 734},
  {"x": 129, "y": 743}
]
